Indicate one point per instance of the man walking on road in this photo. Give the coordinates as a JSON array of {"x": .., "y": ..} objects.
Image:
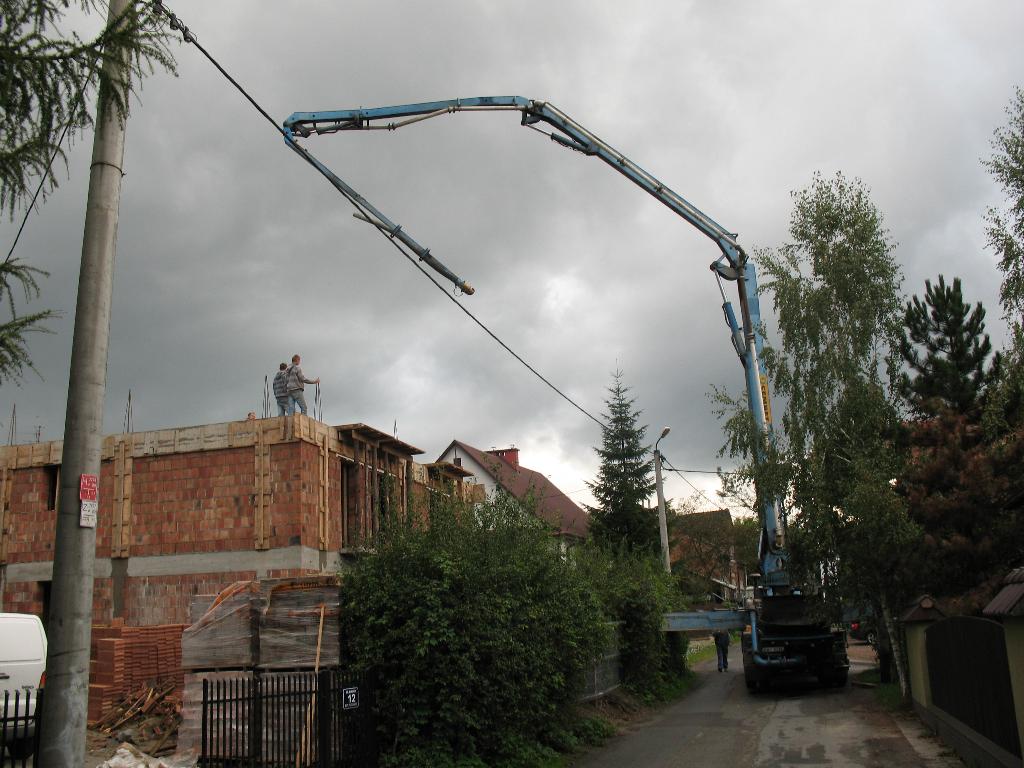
[
  {"x": 296, "y": 385},
  {"x": 722, "y": 646}
]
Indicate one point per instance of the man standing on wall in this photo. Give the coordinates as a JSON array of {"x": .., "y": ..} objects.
[
  {"x": 281, "y": 391},
  {"x": 296, "y": 386}
]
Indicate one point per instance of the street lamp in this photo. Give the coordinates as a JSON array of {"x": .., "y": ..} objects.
[{"x": 662, "y": 523}]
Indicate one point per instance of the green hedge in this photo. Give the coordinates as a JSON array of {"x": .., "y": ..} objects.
[
  {"x": 478, "y": 632},
  {"x": 634, "y": 589}
]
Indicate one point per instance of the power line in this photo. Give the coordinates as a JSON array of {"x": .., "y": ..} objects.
[
  {"x": 188, "y": 37},
  {"x": 687, "y": 481},
  {"x": 39, "y": 189},
  {"x": 707, "y": 472}
]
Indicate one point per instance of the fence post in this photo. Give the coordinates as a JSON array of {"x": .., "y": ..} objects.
[
  {"x": 324, "y": 703},
  {"x": 256, "y": 720},
  {"x": 204, "y": 720},
  {"x": 38, "y": 717}
]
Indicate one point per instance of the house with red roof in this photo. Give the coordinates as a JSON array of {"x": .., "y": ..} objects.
[{"x": 500, "y": 469}]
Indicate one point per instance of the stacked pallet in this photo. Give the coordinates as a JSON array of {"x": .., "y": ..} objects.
[
  {"x": 270, "y": 624},
  {"x": 124, "y": 659},
  {"x": 256, "y": 627},
  {"x": 224, "y": 636},
  {"x": 291, "y": 629}
]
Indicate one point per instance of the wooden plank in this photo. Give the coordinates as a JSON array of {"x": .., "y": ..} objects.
[
  {"x": 7, "y": 478},
  {"x": 322, "y": 517},
  {"x": 344, "y": 505},
  {"x": 120, "y": 535},
  {"x": 126, "y": 495},
  {"x": 262, "y": 491}
]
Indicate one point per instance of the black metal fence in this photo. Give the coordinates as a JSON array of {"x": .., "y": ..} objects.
[
  {"x": 19, "y": 727},
  {"x": 605, "y": 673},
  {"x": 969, "y": 675},
  {"x": 288, "y": 719}
]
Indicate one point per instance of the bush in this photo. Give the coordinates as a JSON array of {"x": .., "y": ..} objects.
[
  {"x": 635, "y": 590},
  {"x": 478, "y": 630}
]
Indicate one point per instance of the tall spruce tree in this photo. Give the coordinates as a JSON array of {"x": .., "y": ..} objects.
[
  {"x": 947, "y": 351},
  {"x": 624, "y": 481}
]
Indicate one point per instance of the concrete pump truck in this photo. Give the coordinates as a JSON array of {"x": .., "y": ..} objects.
[{"x": 782, "y": 633}]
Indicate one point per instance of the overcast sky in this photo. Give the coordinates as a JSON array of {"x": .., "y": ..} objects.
[{"x": 233, "y": 254}]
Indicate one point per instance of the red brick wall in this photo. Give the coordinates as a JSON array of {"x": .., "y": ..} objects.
[
  {"x": 288, "y": 480},
  {"x": 24, "y": 597},
  {"x": 166, "y": 599},
  {"x": 334, "y": 504},
  {"x": 102, "y": 600},
  {"x": 309, "y": 499},
  {"x": 31, "y": 524},
  {"x": 193, "y": 502}
]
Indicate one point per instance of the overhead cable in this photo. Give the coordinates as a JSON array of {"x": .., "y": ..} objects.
[{"x": 188, "y": 37}]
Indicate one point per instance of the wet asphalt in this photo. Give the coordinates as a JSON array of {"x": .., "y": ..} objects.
[{"x": 796, "y": 723}]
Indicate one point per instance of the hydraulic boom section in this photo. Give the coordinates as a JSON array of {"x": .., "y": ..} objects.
[{"x": 732, "y": 265}]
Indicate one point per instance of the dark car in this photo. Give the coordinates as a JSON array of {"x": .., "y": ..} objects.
[{"x": 863, "y": 629}]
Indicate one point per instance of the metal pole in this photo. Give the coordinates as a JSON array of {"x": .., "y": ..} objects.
[
  {"x": 65, "y": 707},
  {"x": 662, "y": 522}
]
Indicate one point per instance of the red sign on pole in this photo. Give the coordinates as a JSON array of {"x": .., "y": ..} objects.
[{"x": 88, "y": 488}]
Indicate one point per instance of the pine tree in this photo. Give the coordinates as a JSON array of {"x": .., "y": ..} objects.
[
  {"x": 946, "y": 348},
  {"x": 624, "y": 481},
  {"x": 47, "y": 83}
]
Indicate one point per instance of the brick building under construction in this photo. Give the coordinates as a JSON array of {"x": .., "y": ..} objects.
[{"x": 189, "y": 511}]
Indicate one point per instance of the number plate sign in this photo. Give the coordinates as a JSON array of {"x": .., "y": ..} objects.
[
  {"x": 88, "y": 494},
  {"x": 350, "y": 698},
  {"x": 773, "y": 649},
  {"x": 88, "y": 488}
]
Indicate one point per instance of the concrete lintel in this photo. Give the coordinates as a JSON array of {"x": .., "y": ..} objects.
[{"x": 282, "y": 558}]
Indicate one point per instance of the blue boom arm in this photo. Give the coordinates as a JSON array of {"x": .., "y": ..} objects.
[{"x": 732, "y": 265}]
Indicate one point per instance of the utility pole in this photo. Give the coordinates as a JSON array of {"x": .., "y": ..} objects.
[
  {"x": 65, "y": 705},
  {"x": 662, "y": 519}
]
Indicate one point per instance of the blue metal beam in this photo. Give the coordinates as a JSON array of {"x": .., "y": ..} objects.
[{"x": 706, "y": 621}]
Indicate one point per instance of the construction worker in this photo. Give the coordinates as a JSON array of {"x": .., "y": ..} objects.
[
  {"x": 296, "y": 386},
  {"x": 281, "y": 390}
]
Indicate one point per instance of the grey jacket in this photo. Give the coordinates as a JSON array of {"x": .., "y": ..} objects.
[{"x": 295, "y": 379}]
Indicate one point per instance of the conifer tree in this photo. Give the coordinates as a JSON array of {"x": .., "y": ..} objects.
[
  {"x": 624, "y": 481},
  {"x": 947, "y": 350},
  {"x": 48, "y": 79}
]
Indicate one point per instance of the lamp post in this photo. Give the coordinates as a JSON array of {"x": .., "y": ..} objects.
[{"x": 662, "y": 522}]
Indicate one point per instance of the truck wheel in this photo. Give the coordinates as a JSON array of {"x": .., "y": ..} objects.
[{"x": 832, "y": 678}]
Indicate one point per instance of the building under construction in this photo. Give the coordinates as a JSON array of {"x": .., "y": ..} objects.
[{"x": 191, "y": 510}]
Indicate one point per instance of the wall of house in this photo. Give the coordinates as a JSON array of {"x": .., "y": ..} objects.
[{"x": 481, "y": 475}]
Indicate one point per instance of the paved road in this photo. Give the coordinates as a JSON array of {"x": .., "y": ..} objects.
[{"x": 720, "y": 725}]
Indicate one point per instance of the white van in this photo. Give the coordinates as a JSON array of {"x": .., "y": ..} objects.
[{"x": 22, "y": 672}]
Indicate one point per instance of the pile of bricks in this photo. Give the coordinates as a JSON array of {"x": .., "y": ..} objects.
[{"x": 123, "y": 659}]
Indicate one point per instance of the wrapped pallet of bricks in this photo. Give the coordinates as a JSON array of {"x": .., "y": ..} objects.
[
  {"x": 290, "y": 622},
  {"x": 257, "y": 633},
  {"x": 225, "y": 636}
]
